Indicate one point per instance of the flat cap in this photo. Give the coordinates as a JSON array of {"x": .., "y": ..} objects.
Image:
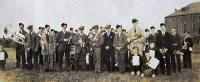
[
  {"x": 108, "y": 26},
  {"x": 30, "y": 27},
  {"x": 95, "y": 27},
  {"x": 81, "y": 27}
]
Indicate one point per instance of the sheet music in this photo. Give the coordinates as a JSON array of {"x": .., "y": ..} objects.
[
  {"x": 135, "y": 60},
  {"x": 2, "y": 56},
  {"x": 152, "y": 53},
  {"x": 87, "y": 59},
  {"x": 153, "y": 63},
  {"x": 190, "y": 48}
]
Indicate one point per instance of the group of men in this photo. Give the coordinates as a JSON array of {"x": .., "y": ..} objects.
[{"x": 105, "y": 48}]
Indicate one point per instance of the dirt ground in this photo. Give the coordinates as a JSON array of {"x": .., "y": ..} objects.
[{"x": 18, "y": 75}]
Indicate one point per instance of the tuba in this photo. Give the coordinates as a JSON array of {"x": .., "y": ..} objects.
[{"x": 14, "y": 35}]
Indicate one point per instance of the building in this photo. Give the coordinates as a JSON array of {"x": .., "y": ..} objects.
[{"x": 187, "y": 19}]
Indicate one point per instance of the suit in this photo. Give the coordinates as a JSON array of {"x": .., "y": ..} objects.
[
  {"x": 40, "y": 49},
  {"x": 90, "y": 49},
  {"x": 20, "y": 52},
  {"x": 163, "y": 42},
  {"x": 45, "y": 49},
  {"x": 120, "y": 40},
  {"x": 97, "y": 43},
  {"x": 32, "y": 46},
  {"x": 63, "y": 48},
  {"x": 80, "y": 50},
  {"x": 52, "y": 52},
  {"x": 137, "y": 34},
  {"x": 109, "y": 56},
  {"x": 175, "y": 57},
  {"x": 187, "y": 44}
]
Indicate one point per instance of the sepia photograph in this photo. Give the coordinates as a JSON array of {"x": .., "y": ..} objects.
[{"x": 100, "y": 41}]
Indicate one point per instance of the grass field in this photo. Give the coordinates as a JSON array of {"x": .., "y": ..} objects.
[{"x": 17, "y": 75}]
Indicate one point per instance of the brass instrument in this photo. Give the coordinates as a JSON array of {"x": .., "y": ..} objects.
[
  {"x": 185, "y": 45},
  {"x": 163, "y": 51},
  {"x": 15, "y": 36}
]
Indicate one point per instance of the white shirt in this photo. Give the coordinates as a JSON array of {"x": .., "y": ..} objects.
[
  {"x": 163, "y": 33},
  {"x": 64, "y": 31},
  {"x": 108, "y": 33}
]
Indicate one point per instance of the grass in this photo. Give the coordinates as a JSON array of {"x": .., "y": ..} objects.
[{"x": 17, "y": 75}]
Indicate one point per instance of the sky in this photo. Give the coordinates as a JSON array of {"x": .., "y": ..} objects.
[{"x": 86, "y": 12}]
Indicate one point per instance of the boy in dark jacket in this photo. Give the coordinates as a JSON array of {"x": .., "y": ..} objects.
[{"x": 187, "y": 49}]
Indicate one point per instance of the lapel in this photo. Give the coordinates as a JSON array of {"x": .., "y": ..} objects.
[
  {"x": 81, "y": 36},
  {"x": 32, "y": 36}
]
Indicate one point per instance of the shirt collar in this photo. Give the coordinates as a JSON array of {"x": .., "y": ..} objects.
[{"x": 64, "y": 31}]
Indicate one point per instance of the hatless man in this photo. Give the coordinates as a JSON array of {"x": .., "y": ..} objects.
[
  {"x": 136, "y": 35},
  {"x": 120, "y": 41},
  {"x": 63, "y": 38},
  {"x": 163, "y": 44},
  {"x": 20, "y": 49},
  {"x": 176, "y": 48}
]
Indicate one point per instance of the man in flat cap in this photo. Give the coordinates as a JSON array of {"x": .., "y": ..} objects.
[
  {"x": 97, "y": 43},
  {"x": 108, "y": 48},
  {"x": 72, "y": 34},
  {"x": 63, "y": 38},
  {"x": 81, "y": 42},
  {"x": 32, "y": 45}
]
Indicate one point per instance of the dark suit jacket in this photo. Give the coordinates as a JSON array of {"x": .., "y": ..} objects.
[
  {"x": 76, "y": 39},
  {"x": 120, "y": 42},
  {"x": 60, "y": 40},
  {"x": 32, "y": 41},
  {"x": 108, "y": 40},
  {"x": 176, "y": 42},
  {"x": 152, "y": 37},
  {"x": 163, "y": 41},
  {"x": 98, "y": 43}
]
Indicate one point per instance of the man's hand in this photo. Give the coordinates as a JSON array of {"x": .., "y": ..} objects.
[
  {"x": 107, "y": 47},
  {"x": 87, "y": 54},
  {"x": 118, "y": 48},
  {"x": 66, "y": 40}
]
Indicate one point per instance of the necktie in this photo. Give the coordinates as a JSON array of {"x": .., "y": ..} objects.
[
  {"x": 47, "y": 37},
  {"x": 30, "y": 35}
]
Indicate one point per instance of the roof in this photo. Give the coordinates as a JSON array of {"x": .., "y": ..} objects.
[{"x": 193, "y": 8}]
